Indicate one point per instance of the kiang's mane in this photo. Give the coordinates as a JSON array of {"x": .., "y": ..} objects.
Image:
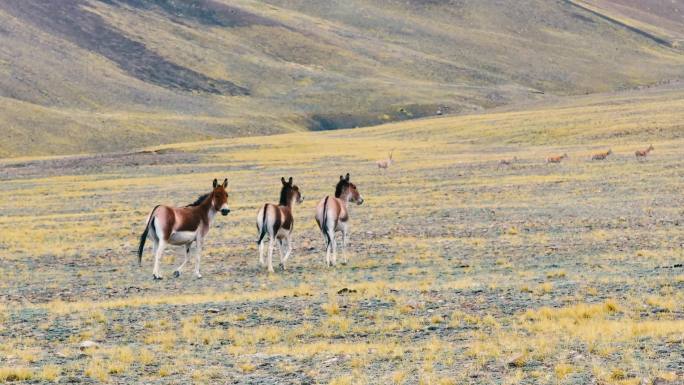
[
  {"x": 199, "y": 200},
  {"x": 339, "y": 189},
  {"x": 285, "y": 195}
]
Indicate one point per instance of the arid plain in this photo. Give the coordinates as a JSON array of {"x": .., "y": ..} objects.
[{"x": 462, "y": 270}]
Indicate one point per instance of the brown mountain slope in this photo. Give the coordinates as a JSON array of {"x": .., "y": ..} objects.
[
  {"x": 102, "y": 75},
  {"x": 663, "y": 19}
]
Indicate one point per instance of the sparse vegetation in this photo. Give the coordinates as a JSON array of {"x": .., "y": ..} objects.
[{"x": 460, "y": 271}]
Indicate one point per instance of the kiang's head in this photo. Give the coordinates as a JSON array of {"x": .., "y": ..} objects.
[
  {"x": 290, "y": 192},
  {"x": 347, "y": 190},
  {"x": 219, "y": 197}
]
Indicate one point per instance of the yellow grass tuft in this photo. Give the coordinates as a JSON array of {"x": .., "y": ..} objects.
[
  {"x": 563, "y": 370},
  {"x": 345, "y": 380},
  {"x": 9, "y": 374},
  {"x": 398, "y": 377},
  {"x": 145, "y": 357},
  {"x": 246, "y": 367},
  {"x": 331, "y": 308},
  {"x": 97, "y": 370},
  {"x": 50, "y": 373}
]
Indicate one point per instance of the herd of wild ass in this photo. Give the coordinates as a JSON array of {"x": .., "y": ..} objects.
[{"x": 181, "y": 226}]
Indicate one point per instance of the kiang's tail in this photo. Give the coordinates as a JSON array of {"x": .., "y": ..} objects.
[
  {"x": 143, "y": 237},
  {"x": 324, "y": 223},
  {"x": 263, "y": 226}
]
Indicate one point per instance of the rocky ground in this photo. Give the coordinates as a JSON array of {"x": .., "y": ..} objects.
[{"x": 461, "y": 270}]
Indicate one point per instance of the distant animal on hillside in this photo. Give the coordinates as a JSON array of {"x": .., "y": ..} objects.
[
  {"x": 556, "y": 159},
  {"x": 643, "y": 153},
  {"x": 332, "y": 215},
  {"x": 507, "y": 162},
  {"x": 277, "y": 221},
  {"x": 181, "y": 226},
  {"x": 385, "y": 163},
  {"x": 601, "y": 155}
]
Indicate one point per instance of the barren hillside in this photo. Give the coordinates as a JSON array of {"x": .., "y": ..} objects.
[{"x": 108, "y": 75}]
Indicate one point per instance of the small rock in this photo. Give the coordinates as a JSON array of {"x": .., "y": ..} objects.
[
  {"x": 213, "y": 310},
  {"x": 413, "y": 304},
  {"x": 516, "y": 361},
  {"x": 346, "y": 290},
  {"x": 87, "y": 345}
]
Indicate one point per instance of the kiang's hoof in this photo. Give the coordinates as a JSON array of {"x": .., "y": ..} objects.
[
  {"x": 282, "y": 267},
  {"x": 156, "y": 278},
  {"x": 343, "y": 263},
  {"x": 198, "y": 276},
  {"x": 176, "y": 274}
]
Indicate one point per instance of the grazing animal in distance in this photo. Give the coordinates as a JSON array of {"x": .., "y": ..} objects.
[
  {"x": 277, "y": 221},
  {"x": 643, "y": 153},
  {"x": 385, "y": 163},
  {"x": 556, "y": 159},
  {"x": 507, "y": 162},
  {"x": 181, "y": 226},
  {"x": 332, "y": 215},
  {"x": 601, "y": 155}
]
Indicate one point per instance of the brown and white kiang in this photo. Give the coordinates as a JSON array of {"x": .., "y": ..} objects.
[
  {"x": 332, "y": 215},
  {"x": 181, "y": 226},
  {"x": 277, "y": 221}
]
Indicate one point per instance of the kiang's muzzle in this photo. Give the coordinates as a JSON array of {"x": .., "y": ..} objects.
[{"x": 225, "y": 211}]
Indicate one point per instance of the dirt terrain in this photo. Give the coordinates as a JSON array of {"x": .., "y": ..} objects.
[{"x": 462, "y": 270}]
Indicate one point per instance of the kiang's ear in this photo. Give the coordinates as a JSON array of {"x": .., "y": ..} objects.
[
  {"x": 290, "y": 181},
  {"x": 341, "y": 177},
  {"x": 347, "y": 177},
  {"x": 215, "y": 182},
  {"x": 282, "y": 179},
  {"x": 225, "y": 183}
]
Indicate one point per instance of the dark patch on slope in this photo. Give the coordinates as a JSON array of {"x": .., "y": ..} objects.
[
  {"x": 615, "y": 21},
  {"x": 335, "y": 121},
  {"x": 70, "y": 20},
  {"x": 207, "y": 12}
]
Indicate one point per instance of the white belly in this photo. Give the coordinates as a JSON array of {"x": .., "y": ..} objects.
[
  {"x": 282, "y": 233},
  {"x": 182, "y": 237}
]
